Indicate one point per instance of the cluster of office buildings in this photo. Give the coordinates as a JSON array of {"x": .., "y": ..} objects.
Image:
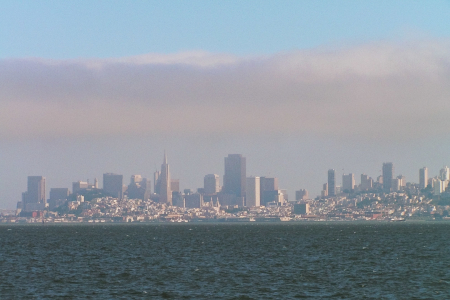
[
  {"x": 237, "y": 190},
  {"x": 261, "y": 196},
  {"x": 386, "y": 182}
]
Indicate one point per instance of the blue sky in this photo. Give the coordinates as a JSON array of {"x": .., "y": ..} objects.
[{"x": 73, "y": 29}]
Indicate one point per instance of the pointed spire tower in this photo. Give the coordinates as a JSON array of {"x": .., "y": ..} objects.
[{"x": 165, "y": 190}]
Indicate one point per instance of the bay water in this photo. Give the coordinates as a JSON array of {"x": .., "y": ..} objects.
[{"x": 337, "y": 260}]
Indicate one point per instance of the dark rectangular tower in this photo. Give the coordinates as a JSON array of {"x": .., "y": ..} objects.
[
  {"x": 234, "y": 180},
  {"x": 423, "y": 178},
  {"x": 36, "y": 189},
  {"x": 388, "y": 175},
  {"x": 34, "y": 198},
  {"x": 331, "y": 183},
  {"x": 113, "y": 185}
]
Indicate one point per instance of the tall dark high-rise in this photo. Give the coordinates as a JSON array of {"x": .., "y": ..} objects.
[
  {"x": 366, "y": 182},
  {"x": 234, "y": 180},
  {"x": 211, "y": 184},
  {"x": 268, "y": 184},
  {"x": 268, "y": 189},
  {"x": 348, "y": 182},
  {"x": 59, "y": 193},
  {"x": 423, "y": 177},
  {"x": 388, "y": 175},
  {"x": 165, "y": 195},
  {"x": 58, "y": 196},
  {"x": 113, "y": 185},
  {"x": 331, "y": 183},
  {"x": 34, "y": 197},
  {"x": 36, "y": 189}
]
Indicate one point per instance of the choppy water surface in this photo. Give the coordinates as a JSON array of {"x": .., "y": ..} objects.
[{"x": 226, "y": 261}]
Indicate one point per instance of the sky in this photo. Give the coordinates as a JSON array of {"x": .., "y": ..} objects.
[{"x": 297, "y": 87}]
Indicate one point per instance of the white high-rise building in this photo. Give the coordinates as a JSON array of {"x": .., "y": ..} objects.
[
  {"x": 402, "y": 180},
  {"x": 438, "y": 186},
  {"x": 444, "y": 174},
  {"x": 253, "y": 197},
  {"x": 396, "y": 184}
]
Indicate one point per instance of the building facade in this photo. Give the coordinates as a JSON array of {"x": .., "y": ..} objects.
[
  {"x": 252, "y": 190},
  {"x": 58, "y": 196},
  {"x": 165, "y": 195},
  {"x": 348, "y": 182},
  {"x": 113, "y": 185},
  {"x": 301, "y": 194},
  {"x": 366, "y": 182},
  {"x": 211, "y": 184},
  {"x": 444, "y": 174},
  {"x": 388, "y": 175},
  {"x": 331, "y": 183},
  {"x": 268, "y": 188},
  {"x": 423, "y": 178},
  {"x": 34, "y": 198},
  {"x": 234, "y": 180}
]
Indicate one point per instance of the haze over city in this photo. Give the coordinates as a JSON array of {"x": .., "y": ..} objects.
[{"x": 298, "y": 88}]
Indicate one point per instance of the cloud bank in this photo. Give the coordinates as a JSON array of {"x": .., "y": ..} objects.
[{"x": 382, "y": 90}]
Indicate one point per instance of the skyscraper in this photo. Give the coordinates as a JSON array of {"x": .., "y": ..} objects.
[
  {"x": 402, "y": 180},
  {"x": 234, "y": 180},
  {"x": 36, "y": 189},
  {"x": 113, "y": 185},
  {"x": 444, "y": 173},
  {"x": 331, "y": 183},
  {"x": 324, "y": 192},
  {"x": 156, "y": 181},
  {"x": 366, "y": 182},
  {"x": 388, "y": 175},
  {"x": 165, "y": 195},
  {"x": 269, "y": 184},
  {"x": 252, "y": 191},
  {"x": 211, "y": 184},
  {"x": 135, "y": 179},
  {"x": 34, "y": 197},
  {"x": 438, "y": 186},
  {"x": 175, "y": 185},
  {"x": 348, "y": 182},
  {"x": 396, "y": 185},
  {"x": 59, "y": 193},
  {"x": 423, "y": 177},
  {"x": 268, "y": 189},
  {"x": 57, "y": 197},
  {"x": 301, "y": 194},
  {"x": 139, "y": 188}
]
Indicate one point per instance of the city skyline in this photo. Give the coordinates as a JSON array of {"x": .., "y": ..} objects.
[
  {"x": 147, "y": 146},
  {"x": 91, "y": 88},
  {"x": 261, "y": 199},
  {"x": 235, "y": 167}
]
